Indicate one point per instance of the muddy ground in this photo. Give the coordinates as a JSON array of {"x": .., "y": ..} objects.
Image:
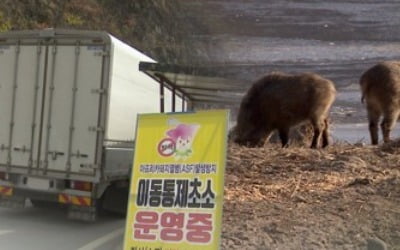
[{"x": 299, "y": 198}]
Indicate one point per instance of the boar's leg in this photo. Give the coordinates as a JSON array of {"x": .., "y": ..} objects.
[
  {"x": 284, "y": 136},
  {"x": 373, "y": 118},
  {"x": 267, "y": 135},
  {"x": 325, "y": 133},
  {"x": 318, "y": 127},
  {"x": 388, "y": 123}
]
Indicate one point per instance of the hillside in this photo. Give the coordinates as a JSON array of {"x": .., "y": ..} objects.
[{"x": 160, "y": 28}]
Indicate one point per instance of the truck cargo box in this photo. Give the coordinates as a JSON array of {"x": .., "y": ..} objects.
[{"x": 64, "y": 94}]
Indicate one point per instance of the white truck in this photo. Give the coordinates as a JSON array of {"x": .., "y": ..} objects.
[{"x": 68, "y": 106}]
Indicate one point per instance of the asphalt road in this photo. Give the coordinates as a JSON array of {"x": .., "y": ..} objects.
[
  {"x": 338, "y": 39},
  {"x": 49, "y": 229},
  {"x": 339, "y": 20}
]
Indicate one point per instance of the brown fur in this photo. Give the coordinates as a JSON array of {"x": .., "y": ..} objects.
[
  {"x": 380, "y": 87},
  {"x": 280, "y": 101}
]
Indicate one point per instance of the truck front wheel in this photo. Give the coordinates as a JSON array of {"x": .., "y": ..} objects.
[{"x": 116, "y": 199}]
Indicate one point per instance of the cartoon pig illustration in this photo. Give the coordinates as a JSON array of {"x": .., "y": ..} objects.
[{"x": 183, "y": 136}]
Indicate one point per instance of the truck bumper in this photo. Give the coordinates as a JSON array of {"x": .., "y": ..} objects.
[{"x": 9, "y": 194}]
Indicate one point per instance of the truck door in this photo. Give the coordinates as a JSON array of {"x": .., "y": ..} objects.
[
  {"x": 71, "y": 108},
  {"x": 21, "y": 89}
]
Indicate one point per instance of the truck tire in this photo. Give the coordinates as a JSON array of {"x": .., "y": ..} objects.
[{"x": 116, "y": 200}]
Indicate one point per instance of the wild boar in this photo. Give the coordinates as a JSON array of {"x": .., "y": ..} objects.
[
  {"x": 279, "y": 101},
  {"x": 380, "y": 87}
]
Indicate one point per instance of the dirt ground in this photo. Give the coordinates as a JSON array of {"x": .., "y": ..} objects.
[{"x": 299, "y": 198}]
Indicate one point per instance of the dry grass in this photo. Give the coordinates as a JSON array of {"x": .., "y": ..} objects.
[{"x": 352, "y": 192}]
